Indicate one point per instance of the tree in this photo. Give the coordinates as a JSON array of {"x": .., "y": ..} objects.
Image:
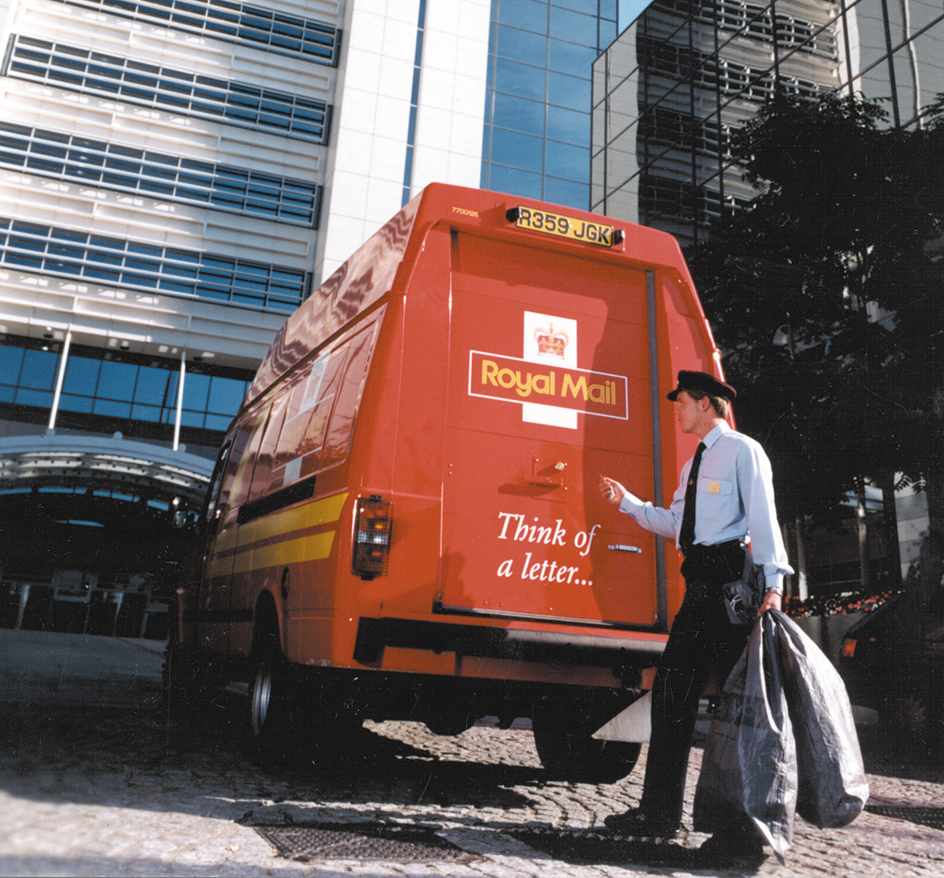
[{"x": 825, "y": 296}]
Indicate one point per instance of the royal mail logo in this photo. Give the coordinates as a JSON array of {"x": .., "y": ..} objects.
[
  {"x": 551, "y": 343},
  {"x": 511, "y": 379}
]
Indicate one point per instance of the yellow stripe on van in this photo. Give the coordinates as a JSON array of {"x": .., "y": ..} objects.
[
  {"x": 313, "y": 548},
  {"x": 264, "y": 544},
  {"x": 306, "y": 515}
]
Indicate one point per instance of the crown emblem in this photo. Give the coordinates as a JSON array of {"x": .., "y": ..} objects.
[{"x": 551, "y": 343}]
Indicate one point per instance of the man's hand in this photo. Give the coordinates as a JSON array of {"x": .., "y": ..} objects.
[
  {"x": 611, "y": 490},
  {"x": 771, "y": 601}
]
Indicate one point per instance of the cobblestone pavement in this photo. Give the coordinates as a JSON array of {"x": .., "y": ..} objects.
[{"x": 94, "y": 781}]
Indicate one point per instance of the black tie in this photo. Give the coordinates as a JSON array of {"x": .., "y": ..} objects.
[{"x": 687, "y": 535}]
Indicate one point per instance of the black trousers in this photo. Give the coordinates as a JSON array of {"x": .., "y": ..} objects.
[{"x": 702, "y": 642}]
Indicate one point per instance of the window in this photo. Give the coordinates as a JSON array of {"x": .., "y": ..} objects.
[
  {"x": 568, "y": 91},
  {"x": 542, "y": 52},
  {"x": 234, "y": 190},
  {"x": 563, "y": 160},
  {"x": 309, "y": 410},
  {"x": 520, "y": 79},
  {"x": 569, "y": 126},
  {"x": 522, "y": 45},
  {"x": 173, "y": 271},
  {"x": 234, "y": 103},
  {"x": 39, "y": 369},
  {"x": 527, "y": 14},
  {"x": 11, "y": 359},
  {"x": 517, "y": 150},
  {"x": 519, "y": 114},
  {"x": 574, "y": 27},
  {"x": 118, "y": 386}
]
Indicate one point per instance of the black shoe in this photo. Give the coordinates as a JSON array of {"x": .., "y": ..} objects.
[
  {"x": 639, "y": 823},
  {"x": 742, "y": 848}
]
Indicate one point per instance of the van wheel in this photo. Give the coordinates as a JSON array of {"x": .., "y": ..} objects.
[
  {"x": 562, "y": 737},
  {"x": 266, "y": 708}
]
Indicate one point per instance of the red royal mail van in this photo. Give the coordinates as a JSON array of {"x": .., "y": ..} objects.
[{"x": 404, "y": 522}]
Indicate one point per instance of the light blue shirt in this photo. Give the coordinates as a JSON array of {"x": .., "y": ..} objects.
[{"x": 734, "y": 501}]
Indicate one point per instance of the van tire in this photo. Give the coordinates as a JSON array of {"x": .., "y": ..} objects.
[
  {"x": 265, "y": 713},
  {"x": 567, "y": 750}
]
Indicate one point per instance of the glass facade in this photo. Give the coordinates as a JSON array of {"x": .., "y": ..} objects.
[
  {"x": 537, "y": 115},
  {"x": 670, "y": 90},
  {"x": 414, "y": 103},
  {"x": 177, "y": 272},
  {"x": 104, "y": 391},
  {"x": 256, "y": 26},
  {"x": 168, "y": 177},
  {"x": 163, "y": 165},
  {"x": 151, "y": 85},
  {"x": 109, "y": 142}
]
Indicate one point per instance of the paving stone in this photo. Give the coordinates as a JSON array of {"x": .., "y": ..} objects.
[{"x": 94, "y": 781}]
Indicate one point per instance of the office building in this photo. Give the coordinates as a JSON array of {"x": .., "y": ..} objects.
[
  {"x": 537, "y": 115},
  {"x": 668, "y": 93},
  {"x": 175, "y": 178}
]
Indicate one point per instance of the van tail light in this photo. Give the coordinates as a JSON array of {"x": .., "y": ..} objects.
[
  {"x": 373, "y": 520},
  {"x": 849, "y": 647}
]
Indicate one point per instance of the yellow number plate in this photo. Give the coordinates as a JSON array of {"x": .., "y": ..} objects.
[{"x": 564, "y": 226}]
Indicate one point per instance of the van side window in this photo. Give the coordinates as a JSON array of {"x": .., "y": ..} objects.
[
  {"x": 239, "y": 469},
  {"x": 309, "y": 410},
  {"x": 211, "y": 503},
  {"x": 350, "y": 390},
  {"x": 265, "y": 456}
]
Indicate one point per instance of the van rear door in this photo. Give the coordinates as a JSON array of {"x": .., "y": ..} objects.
[{"x": 549, "y": 386}]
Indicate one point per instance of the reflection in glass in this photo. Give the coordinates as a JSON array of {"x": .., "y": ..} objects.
[
  {"x": 543, "y": 51},
  {"x": 117, "y": 381},
  {"x": 564, "y": 160},
  {"x": 518, "y": 114},
  {"x": 39, "y": 370},
  {"x": 575, "y": 27},
  {"x": 520, "y": 79},
  {"x": 517, "y": 150},
  {"x": 570, "y": 126},
  {"x": 568, "y": 91},
  {"x": 522, "y": 45},
  {"x": 196, "y": 391},
  {"x": 529, "y": 14},
  {"x": 121, "y": 387}
]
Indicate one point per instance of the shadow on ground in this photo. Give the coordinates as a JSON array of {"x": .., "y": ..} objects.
[{"x": 69, "y": 735}]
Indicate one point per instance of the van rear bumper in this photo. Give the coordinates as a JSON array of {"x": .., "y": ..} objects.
[{"x": 487, "y": 641}]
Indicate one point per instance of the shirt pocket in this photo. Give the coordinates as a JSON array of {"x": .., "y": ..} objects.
[{"x": 716, "y": 499}]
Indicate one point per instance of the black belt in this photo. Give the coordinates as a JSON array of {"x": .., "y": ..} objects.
[{"x": 714, "y": 565}]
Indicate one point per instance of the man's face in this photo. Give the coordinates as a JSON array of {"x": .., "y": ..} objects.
[{"x": 687, "y": 412}]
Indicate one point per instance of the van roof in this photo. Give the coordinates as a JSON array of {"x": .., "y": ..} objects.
[{"x": 371, "y": 272}]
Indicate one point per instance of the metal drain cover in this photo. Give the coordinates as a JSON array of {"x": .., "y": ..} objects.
[
  {"x": 586, "y": 847},
  {"x": 932, "y": 817},
  {"x": 362, "y": 841}
]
